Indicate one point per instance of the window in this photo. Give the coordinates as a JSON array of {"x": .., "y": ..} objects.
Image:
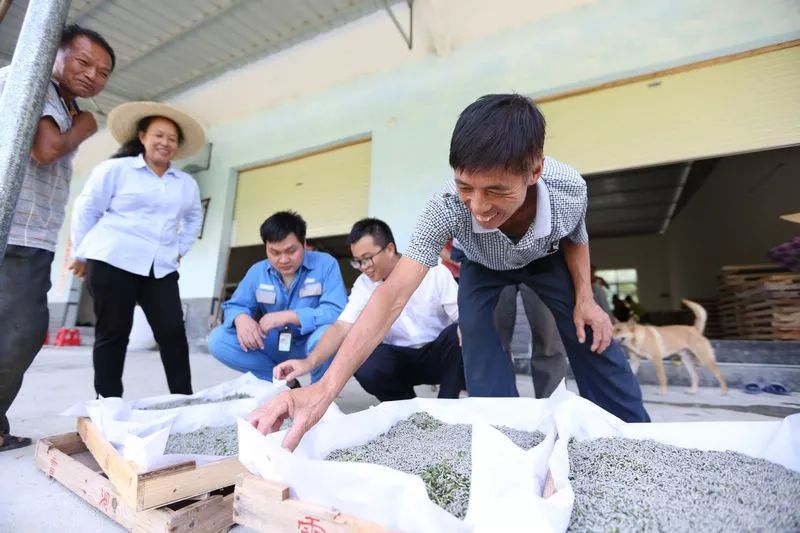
[{"x": 622, "y": 281}]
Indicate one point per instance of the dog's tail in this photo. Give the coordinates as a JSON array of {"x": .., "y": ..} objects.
[{"x": 700, "y": 314}]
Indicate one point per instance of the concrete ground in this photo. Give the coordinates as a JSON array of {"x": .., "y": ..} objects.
[{"x": 60, "y": 377}]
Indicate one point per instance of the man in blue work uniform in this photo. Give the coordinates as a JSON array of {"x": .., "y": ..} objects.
[{"x": 283, "y": 305}]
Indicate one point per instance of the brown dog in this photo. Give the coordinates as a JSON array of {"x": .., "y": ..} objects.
[{"x": 658, "y": 342}]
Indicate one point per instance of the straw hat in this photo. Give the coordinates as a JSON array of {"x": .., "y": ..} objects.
[
  {"x": 794, "y": 217},
  {"x": 122, "y": 121}
]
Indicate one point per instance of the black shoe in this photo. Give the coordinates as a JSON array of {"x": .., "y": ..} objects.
[{"x": 10, "y": 442}]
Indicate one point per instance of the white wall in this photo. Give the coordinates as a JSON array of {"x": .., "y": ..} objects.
[{"x": 408, "y": 101}]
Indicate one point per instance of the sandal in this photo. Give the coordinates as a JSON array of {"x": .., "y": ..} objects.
[
  {"x": 776, "y": 388},
  {"x": 10, "y": 442},
  {"x": 752, "y": 388}
]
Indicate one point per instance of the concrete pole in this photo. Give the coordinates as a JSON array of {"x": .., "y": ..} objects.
[{"x": 23, "y": 97}]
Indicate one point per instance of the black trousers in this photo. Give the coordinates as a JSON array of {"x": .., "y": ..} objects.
[
  {"x": 116, "y": 293},
  {"x": 605, "y": 379},
  {"x": 549, "y": 363},
  {"x": 24, "y": 282},
  {"x": 391, "y": 372}
]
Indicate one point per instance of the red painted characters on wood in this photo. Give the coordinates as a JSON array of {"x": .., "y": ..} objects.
[{"x": 309, "y": 525}]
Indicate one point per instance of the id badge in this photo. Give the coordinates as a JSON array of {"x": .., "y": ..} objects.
[{"x": 285, "y": 341}]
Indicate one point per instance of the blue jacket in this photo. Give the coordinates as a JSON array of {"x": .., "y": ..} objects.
[{"x": 317, "y": 293}]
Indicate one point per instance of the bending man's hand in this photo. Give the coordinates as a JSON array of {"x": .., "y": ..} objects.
[
  {"x": 588, "y": 313},
  {"x": 304, "y": 406},
  {"x": 292, "y": 369}
]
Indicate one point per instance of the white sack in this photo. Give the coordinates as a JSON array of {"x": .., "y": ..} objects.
[{"x": 398, "y": 500}]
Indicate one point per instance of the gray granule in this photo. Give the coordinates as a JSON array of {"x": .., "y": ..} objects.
[
  {"x": 193, "y": 401},
  {"x": 221, "y": 440},
  {"x": 641, "y": 485},
  {"x": 524, "y": 439},
  {"x": 441, "y": 454}
]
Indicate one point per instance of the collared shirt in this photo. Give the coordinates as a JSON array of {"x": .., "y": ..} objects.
[
  {"x": 316, "y": 294},
  {"x": 560, "y": 212},
  {"x": 129, "y": 217},
  {"x": 45, "y": 188},
  {"x": 432, "y": 307}
]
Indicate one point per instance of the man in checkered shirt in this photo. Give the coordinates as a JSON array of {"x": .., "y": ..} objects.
[{"x": 520, "y": 218}]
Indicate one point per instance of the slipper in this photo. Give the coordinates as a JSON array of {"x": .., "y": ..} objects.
[
  {"x": 777, "y": 388},
  {"x": 752, "y": 388},
  {"x": 10, "y": 442}
]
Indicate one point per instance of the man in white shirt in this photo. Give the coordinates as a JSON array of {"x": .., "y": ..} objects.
[{"x": 421, "y": 347}]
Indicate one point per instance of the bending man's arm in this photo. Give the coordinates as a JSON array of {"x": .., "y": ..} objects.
[
  {"x": 587, "y": 312},
  {"x": 307, "y": 405}
]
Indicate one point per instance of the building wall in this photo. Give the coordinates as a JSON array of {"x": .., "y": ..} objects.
[{"x": 409, "y": 105}]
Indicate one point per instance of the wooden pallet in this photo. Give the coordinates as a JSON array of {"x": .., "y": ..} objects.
[
  {"x": 759, "y": 302},
  {"x": 157, "y": 488},
  {"x": 265, "y": 506},
  {"x": 66, "y": 459}
]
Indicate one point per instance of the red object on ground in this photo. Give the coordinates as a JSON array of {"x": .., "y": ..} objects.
[{"x": 68, "y": 337}]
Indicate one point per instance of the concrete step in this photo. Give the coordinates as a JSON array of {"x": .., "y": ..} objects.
[
  {"x": 766, "y": 352},
  {"x": 736, "y": 374}
]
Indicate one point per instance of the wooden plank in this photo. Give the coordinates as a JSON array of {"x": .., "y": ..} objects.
[
  {"x": 210, "y": 515},
  {"x": 93, "y": 488},
  {"x": 762, "y": 267},
  {"x": 549, "y": 485},
  {"x": 148, "y": 490},
  {"x": 266, "y": 507},
  {"x": 122, "y": 474},
  {"x": 175, "y": 486},
  {"x": 69, "y": 443}
]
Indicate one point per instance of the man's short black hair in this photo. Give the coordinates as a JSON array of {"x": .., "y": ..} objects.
[
  {"x": 378, "y": 229},
  {"x": 281, "y": 225},
  {"x": 73, "y": 31},
  {"x": 498, "y": 131}
]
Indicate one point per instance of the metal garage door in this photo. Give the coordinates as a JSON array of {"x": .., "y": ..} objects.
[
  {"x": 725, "y": 107},
  {"x": 329, "y": 189}
]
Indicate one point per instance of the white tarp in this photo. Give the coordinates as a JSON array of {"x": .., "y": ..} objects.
[
  {"x": 141, "y": 435},
  {"x": 507, "y": 482},
  {"x": 504, "y": 476}
]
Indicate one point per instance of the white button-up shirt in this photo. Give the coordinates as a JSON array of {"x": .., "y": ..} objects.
[
  {"x": 129, "y": 217},
  {"x": 432, "y": 307}
]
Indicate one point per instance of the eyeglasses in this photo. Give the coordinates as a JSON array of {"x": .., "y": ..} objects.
[{"x": 359, "y": 264}]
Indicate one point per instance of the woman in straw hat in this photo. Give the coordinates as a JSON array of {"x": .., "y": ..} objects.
[{"x": 136, "y": 217}]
